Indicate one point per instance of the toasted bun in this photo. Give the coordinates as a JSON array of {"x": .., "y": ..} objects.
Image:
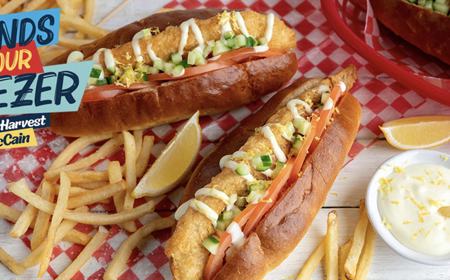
[
  {"x": 287, "y": 222},
  {"x": 423, "y": 28},
  {"x": 209, "y": 93}
]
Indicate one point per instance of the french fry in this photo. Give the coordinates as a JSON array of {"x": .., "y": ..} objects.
[
  {"x": 75, "y": 191},
  {"x": 130, "y": 175},
  {"x": 118, "y": 263},
  {"x": 92, "y": 185},
  {"x": 331, "y": 248},
  {"x": 138, "y": 134},
  {"x": 67, "y": 8},
  {"x": 95, "y": 243},
  {"x": 367, "y": 254},
  {"x": 111, "y": 219},
  {"x": 11, "y": 6},
  {"x": 89, "y": 10},
  {"x": 11, "y": 263},
  {"x": 312, "y": 262},
  {"x": 87, "y": 176},
  {"x": 58, "y": 214},
  {"x": 114, "y": 172},
  {"x": 9, "y": 213},
  {"x": 107, "y": 149},
  {"x": 23, "y": 222},
  {"x": 21, "y": 189},
  {"x": 343, "y": 253},
  {"x": 64, "y": 229},
  {"x": 72, "y": 43},
  {"x": 81, "y": 25},
  {"x": 96, "y": 195},
  {"x": 77, "y": 237},
  {"x": 42, "y": 219},
  {"x": 75, "y": 147},
  {"x": 33, "y": 5},
  {"x": 144, "y": 155},
  {"x": 359, "y": 235}
]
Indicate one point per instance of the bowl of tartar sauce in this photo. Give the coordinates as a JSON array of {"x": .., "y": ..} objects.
[{"x": 403, "y": 198}]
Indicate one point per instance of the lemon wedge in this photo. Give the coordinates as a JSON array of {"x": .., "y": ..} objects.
[
  {"x": 173, "y": 163},
  {"x": 417, "y": 132}
]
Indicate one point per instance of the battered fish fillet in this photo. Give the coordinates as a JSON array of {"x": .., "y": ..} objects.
[
  {"x": 167, "y": 42},
  {"x": 184, "y": 249}
]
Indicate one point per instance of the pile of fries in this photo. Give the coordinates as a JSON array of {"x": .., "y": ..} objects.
[
  {"x": 350, "y": 261},
  {"x": 68, "y": 188},
  {"x": 77, "y": 27}
]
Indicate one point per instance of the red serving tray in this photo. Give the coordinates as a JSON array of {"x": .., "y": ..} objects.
[{"x": 405, "y": 75}]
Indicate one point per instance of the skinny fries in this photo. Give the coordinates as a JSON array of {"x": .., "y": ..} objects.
[
  {"x": 367, "y": 255},
  {"x": 130, "y": 175},
  {"x": 357, "y": 244},
  {"x": 331, "y": 248},
  {"x": 343, "y": 253},
  {"x": 117, "y": 265},
  {"x": 85, "y": 255},
  {"x": 43, "y": 219},
  {"x": 91, "y": 197},
  {"x": 312, "y": 262},
  {"x": 144, "y": 155},
  {"x": 10, "y": 262}
]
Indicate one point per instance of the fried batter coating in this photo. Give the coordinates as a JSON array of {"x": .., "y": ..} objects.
[
  {"x": 185, "y": 250},
  {"x": 166, "y": 42}
]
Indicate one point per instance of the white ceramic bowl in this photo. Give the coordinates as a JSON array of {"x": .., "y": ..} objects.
[{"x": 405, "y": 158}]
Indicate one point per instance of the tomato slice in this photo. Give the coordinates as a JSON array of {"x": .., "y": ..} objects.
[
  {"x": 191, "y": 71},
  {"x": 97, "y": 93},
  {"x": 272, "y": 194}
]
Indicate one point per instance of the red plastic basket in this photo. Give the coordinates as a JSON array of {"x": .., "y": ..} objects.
[{"x": 426, "y": 85}]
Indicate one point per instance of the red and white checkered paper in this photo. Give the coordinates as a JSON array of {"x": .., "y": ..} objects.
[{"x": 320, "y": 52}]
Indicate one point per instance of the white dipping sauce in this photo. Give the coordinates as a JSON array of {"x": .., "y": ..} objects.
[{"x": 408, "y": 201}]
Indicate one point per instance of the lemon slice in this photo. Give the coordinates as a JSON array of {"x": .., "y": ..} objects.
[
  {"x": 417, "y": 132},
  {"x": 173, "y": 163}
]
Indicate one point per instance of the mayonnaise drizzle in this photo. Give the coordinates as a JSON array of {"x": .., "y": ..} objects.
[
  {"x": 241, "y": 23},
  {"x": 267, "y": 132},
  {"x": 136, "y": 46},
  {"x": 152, "y": 54},
  {"x": 237, "y": 236},
  {"x": 213, "y": 193},
  {"x": 226, "y": 27},
  {"x": 109, "y": 60},
  {"x": 269, "y": 27},
  {"x": 182, "y": 210},
  {"x": 96, "y": 55},
  {"x": 190, "y": 23},
  {"x": 328, "y": 104},
  {"x": 205, "y": 210},
  {"x": 292, "y": 106},
  {"x": 342, "y": 86}
]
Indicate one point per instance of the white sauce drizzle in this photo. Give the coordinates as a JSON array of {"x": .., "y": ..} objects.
[
  {"x": 241, "y": 24},
  {"x": 342, "y": 86},
  {"x": 268, "y": 173},
  {"x": 136, "y": 46},
  {"x": 224, "y": 160},
  {"x": 292, "y": 106},
  {"x": 226, "y": 27},
  {"x": 237, "y": 236},
  {"x": 269, "y": 27},
  {"x": 324, "y": 88},
  {"x": 109, "y": 60},
  {"x": 328, "y": 104},
  {"x": 152, "y": 54},
  {"x": 231, "y": 164},
  {"x": 182, "y": 210},
  {"x": 96, "y": 55},
  {"x": 205, "y": 210},
  {"x": 267, "y": 132},
  {"x": 190, "y": 23},
  {"x": 262, "y": 48},
  {"x": 213, "y": 193}
]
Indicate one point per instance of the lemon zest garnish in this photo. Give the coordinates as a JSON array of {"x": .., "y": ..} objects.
[
  {"x": 443, "y": 157},
  {"x": 395, "y": 202},
  {"x": 398, "y": 169},
  {"x": 406, "y": 222},
  {"x": 434, "y": 202}
]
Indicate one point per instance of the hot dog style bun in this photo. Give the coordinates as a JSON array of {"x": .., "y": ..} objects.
[
  {"x": 178, "y": 63},
  {"x": 260, "y": 247}
]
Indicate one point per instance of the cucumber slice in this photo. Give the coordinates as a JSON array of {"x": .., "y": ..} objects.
[
  {"x": 176, "y": 58},
  {"x": 412, "y": 1},
  {"x": 220, "y": 48},
  {"x": 251, "y": 42},
  {"x": 324, "y": 97},
  {"x": 177, "y": 71},
  {"x": 193, "y": 56},
  {"x": 152, "y": 70},
  {"x": 241, "y": 202},
  {"x": 429, "y": 5},
  {"x": 168, "y": 67},
  {"x": 211, "y": 244},
  {"x": 298, "y": 141},
  {"x": 200, "y": 60},
  {"x": 228, "y": 35},
  {"x": 240, "y": 41},
  {"x": 302, "y": 125},
  {"x": 421, "y": 2},
  {"x": 242, "y": 169},
  {"x": 96, "y": 71},
  {"x": 101, "y": 82},
  {"x": 262, "y": 163},
  {"x": 236, "y": 211},
  {"x": 227, "y": 215},
  {"x": 221, "y": 225},
  {"x": 207, "y": 50},
  {"x": 255, "y": 196},
  {"x": 288, "y": 131},
  {"x": 159, "y": 64},
  {"x": 441, "y": 8},
  {"x": 258, "y": 186}
]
